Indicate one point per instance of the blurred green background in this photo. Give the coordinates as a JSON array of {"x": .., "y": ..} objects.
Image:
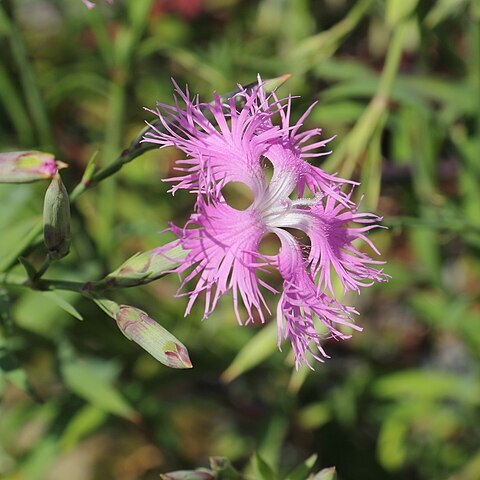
[{"x": 398, "y": 83}]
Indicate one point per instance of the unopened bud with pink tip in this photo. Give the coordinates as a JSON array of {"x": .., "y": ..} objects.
[
  {"x": 145, "y": 267},
  {"x": 136, "y": 325},
  {"x": 26, "y": 167}
]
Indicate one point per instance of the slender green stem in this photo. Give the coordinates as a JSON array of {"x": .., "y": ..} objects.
[
  {"x": 116, "y": 112},
  {"x": 475, "y": 60},
  {"x": 43, "y": 267},
  {"x": 97, "y": 23},
  {"x": 332, "y": 37},
  {"x": 371, "y": 175},
  {"x": 87, "y": 289},
  {"x": 364, "y": 129},
  {"x": 447, "y": 224},
  {"x": 24, "y": 246},
  {"x": 12, "y": 280},
  {"x": 14, "y": 108},
  {"x": 80, "y": 287},
  {"x": 107, "y": 191},
  {"x": 122, "y": 56},
  {"x": 125, "y": 157},
  {"x": 354, "y": 145},
  {"x": 394, "y": 55},
  {"x": 27, "y": 77}
]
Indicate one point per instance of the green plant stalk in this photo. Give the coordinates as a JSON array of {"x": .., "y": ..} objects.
[
  {"x": 454, "y": 225},
  {"x": 13, "y": 280},
  {"x": 127, "y": 155},
  {"x": 44, "y": 267},
  {"x": 88, "y": 289},
  {"x": 122, "y": 50},
  {"x": 97, "y": 23},
  {"x": 324, "y": 44},
  {"x": 10, "y": 280},
  {"x": 331, "y": 37},
  {"x": 353, "y": 147},
  {"x": 138, "y": 270},
  {"x": 15, "y": 110},
  {"x": 27, "y": 78},
  {"x": 23, "y": 247},
  {"x": 371, "y": 176},
  {"x": 112, "y": 143},
  {"x": 475, "y": 61}
]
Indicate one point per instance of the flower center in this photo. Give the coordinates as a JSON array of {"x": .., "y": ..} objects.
[{"x": 275, "y": 211}]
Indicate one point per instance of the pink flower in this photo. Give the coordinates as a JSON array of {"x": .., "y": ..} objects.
[
  {"x": 91, "y": 5},
  {"x": 225, "y": 144}
]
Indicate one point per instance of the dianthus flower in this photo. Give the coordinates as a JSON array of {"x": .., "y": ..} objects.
[{"x": 223, "y": 144}]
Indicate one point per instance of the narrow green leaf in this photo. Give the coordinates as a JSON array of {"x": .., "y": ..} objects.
[
  {"x": 301, "y": 472},
  {"x": 325, "y": 474},
  {"x": 470, "y": 470},
  {"x": 29, "y": 268},
  {"x": 84, "y": 378},
  {"x": 396, "y": 10},
  {"x": 36, "y": 313},
  {"x": 85, "y": 421},
  {"x": 262, "y": 470},
  {"x": 427, "y": 386},
  {"x": 39, "y": 461},
  {"x": 223, "y": 469},
  {"x": 5, "y": 310},
  {"x": 63, "y": 304},
  {"x": 11, "y": 369},
  {"x": 89, "y": 170},
  {"x": 259, "y": 348},
  {"x": 392, "y": 443},
  {"x": 442, "y": 10},
  {"x": 298, "y": 378},
  {"x": 273, "y": 439},
  {"x": 315, "y": 415},
  {"x": 371, "y": 176}
]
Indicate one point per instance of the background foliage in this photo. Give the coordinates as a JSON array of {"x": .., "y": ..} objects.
[{"x": 397, "y": 82}]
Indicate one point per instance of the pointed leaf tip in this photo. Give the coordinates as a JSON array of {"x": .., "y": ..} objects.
[{"x": 325, "y": 474}]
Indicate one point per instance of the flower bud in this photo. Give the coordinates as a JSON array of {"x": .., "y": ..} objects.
[
  {"x": 145, "y": 267},
  {"x": 136, "y": 325},
  {"x": 220, "y": 468},
  {"x": 56, "y": 219},
  {"x": 326, "y": 474},
  {"x": 187, "y": 475},
  {"x": 25, "y": 167}
]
